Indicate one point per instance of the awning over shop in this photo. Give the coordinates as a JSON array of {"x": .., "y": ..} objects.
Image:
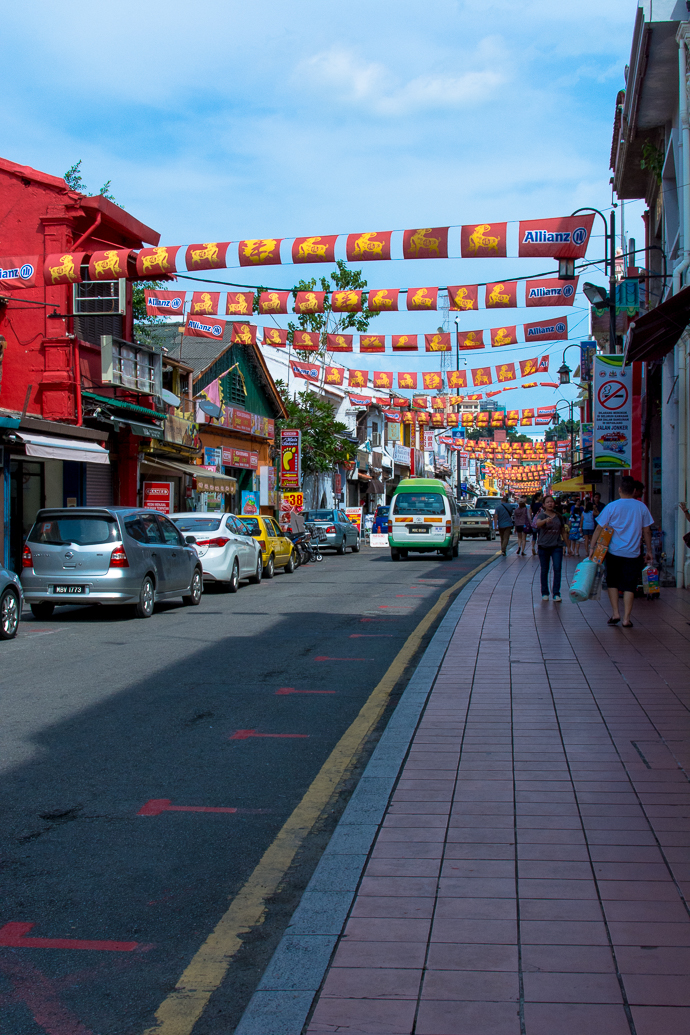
[
  {"x": 572, "y": 485},
  {"x": 54, "y": 448},
  {"x": 656, "y": 333},
  {"x": 375, "y": 487},
  {"x": 206, "y": 481}
]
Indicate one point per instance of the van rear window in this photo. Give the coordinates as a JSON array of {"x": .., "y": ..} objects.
[
  {"x": 419, "y": 503},
  {"x": 70, "y": 531}
]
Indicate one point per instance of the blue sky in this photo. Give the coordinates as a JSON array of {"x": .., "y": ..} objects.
[{"x": 221, "y": 120}]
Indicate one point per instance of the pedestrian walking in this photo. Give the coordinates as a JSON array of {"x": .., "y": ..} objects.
[
  {"x": 630, "y": 519},
  {"x": 551, "y": 541},
  {"x": 596, "y": 505},
  {"x": 575, "y": 531},
  {"x": 587, "y": 525},
  {"x": 522, "y": 519},
  {"x": 535, "y": 507},
  {"x": 504, "y": 520}
]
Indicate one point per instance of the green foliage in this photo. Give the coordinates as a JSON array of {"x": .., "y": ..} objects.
[
  {"x": 142, "y": 321},
  {"x": 328, "y": 322},
  {"x": 74, "y": 181},
  {"x": 562, "y": 431},
  {"x": 652, "y": 159},
  {"x": 323, "y": 444}
]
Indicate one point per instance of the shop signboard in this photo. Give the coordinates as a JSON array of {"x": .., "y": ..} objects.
[
  {"x": 378, "y": 539},
  {"x": 290, "y": 503},
  {"x": 401, "y": 455},
  {"x": 242, "y": 420},
  {"x": 240, "y": 458},
  {"x": 267, "y": 485},
  {"x": 393, "y": 432},
  {"x": 213, "y": 457},
  {"x": 588, "y": 350},
  {"x": 250, "y": 502},
  {"x": 355, "y": 516},
  {"x": 290, "y": 458},
  {"x": 158, "y": 496},
  {"x": 612, "y": 393}
]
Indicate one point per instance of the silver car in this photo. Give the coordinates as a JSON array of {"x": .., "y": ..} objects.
[
  {"x": 226, "y": 550},
  {"x": 107, "y": 555},
  {"x": 340, "y": 531},
  {"x": 10, "y": 603}
]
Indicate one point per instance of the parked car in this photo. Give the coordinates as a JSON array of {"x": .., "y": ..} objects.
[
  {"x": 380, "y": 526},
  {"x": 488, "y": 503},
  {"x": 277, "y": 551},
  {"x": 340, "y": 531},
  {"x": 226, "y": 550},
  {"x": 476, "y": 523},
  {"x": 11, "y": 598},
  {"x": 424, "y": 518},
  {"x": 107, "y": 555}
]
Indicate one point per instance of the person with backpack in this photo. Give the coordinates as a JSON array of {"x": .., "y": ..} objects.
[{"x": 504, "y": 520}]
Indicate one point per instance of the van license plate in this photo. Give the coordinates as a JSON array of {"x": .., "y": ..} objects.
[
  {"x": 70, "y": 590},
  {"x": 419, "y": 528}
]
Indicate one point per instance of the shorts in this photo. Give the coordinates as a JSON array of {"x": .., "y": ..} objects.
[
  {"x": 520, "y": 528},
  {"x": 622, "y": 573}
]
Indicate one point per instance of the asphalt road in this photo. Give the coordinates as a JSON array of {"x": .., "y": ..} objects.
[{"x": 101, "y": 714}]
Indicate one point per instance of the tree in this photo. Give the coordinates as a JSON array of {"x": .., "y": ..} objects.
[
  {"x": 328, "y": 322},
  {"x": 562, "y": 430},
  {"x": 324, "y": 442},
  {"x": 74, "y": 181}
]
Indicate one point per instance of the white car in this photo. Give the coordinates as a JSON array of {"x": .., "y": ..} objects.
[{"x": 226, "y": 551}]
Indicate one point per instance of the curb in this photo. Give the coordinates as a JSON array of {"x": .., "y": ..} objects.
[{"x": 282, "y": 1001}]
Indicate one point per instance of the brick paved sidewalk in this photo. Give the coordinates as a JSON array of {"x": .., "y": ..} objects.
[{"x": 532, "y": 872}]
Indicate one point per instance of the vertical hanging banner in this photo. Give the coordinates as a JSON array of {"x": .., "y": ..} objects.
[
  {"x": 239, "y": 303},
  {"x": 407, "y": 379},
  {"x": 549, "y": 291},
  {"x": 205, "y": 302},
  {"x": 273, "y": 302},
  {"x": 163, "y": 303},
  {"x": 385, "y": 300},
  {"x": 290, "y": 459},
  {"x": 422, "y": 299},
  {"x": 547, "y": 330},
  {"x": 346, "y": 301},
  {"x": 428, "y": 243},
  {"x": 404, "y": 343},
  {"x": 470, "y": 340},
  {"x": 209, "y": 256},
  {"x": 339, "y": 343},
  {"x": 365, "y": 247},
  {"x": 612, "y": 388},
  {"x": 464, "y": 298},
  {"x": 275, "y": 336},
  {"x": 503, "y": 336},
  {"x": 563, "y": 238},
  {"x": 151, "y": 261},
  {"x": 314, "y": 249},
  {"x": 260, "y": 252},
  {"x": 438, "y": 342},
  {"x": 483, "y": 241},
  {"x": 501, "y": 296}
]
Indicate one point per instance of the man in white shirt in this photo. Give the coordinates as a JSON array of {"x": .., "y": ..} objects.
[{"x": 630, "y": 520}]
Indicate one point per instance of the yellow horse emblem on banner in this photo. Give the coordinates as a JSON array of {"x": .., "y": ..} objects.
[
  {"x": 341, "y": 341},
  {"x": 334, "y": 377},
  {"x": 382, "y": 381},
  {"x": 66, "y": 270},
  {"x": 208, "y": 251},
  {"x": 357, "y": 379},
  {"x": 437, "y": 344},
  {"x": 110, "y": 263},
  {"x": 205, "y": 305},
  {"x": 478, "y": 239},
  {"x": 364, "y": 246},
  {"x": 420, "y": 241},
  {"x": 346, "y": 300},
  {"x": 309, "y": 249},
  {"x": 159, "y": 258},
  {"x": 502, "y": 337},
  {"x": 244, "y": 334},
  {"x": 406, "y": 381},
  {"x": 380, "y": 300},
  {"x": 496, "y": 298},
  {"x": 461, "y": 301},
  {"x": 272, "y": 303},
  {"x": 310, "y": 303},
  {"x": 420, "y": 298},
  {"x": 240, "y": 306},
  {"x": 258, "y": 250}
]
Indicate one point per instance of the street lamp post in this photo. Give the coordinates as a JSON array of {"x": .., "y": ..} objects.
[
  {"x": 610, "y": 262},
  {"x": 570, "y": 405}
]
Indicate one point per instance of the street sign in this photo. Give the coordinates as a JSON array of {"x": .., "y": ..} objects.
[
  {"x": 612, "y": 395},
  {"x": 612, "y": 435}
]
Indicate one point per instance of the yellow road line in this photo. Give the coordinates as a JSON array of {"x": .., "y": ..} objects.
[{"x": 182, "y": 1008}]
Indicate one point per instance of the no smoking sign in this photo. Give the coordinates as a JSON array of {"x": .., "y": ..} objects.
[{"x": 612, "y": 395}]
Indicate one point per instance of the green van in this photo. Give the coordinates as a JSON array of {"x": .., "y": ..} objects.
[{"x": 423, "y": 517}]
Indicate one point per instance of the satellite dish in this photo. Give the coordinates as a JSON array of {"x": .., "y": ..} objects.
[
  {"x": 170, "y": 398},
  {"x": 210, "y": 408}
]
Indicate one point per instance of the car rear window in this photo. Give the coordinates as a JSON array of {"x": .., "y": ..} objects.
[
  {"x": 197, "y": 524},
  {"x": 489, "y": 504},
  {"x": 474, "y": 513},
  {"x": 419, "y": 503},
  {"x": 252, "y": 525},
  {"x": 319, "y": 515},
  {"x": 79, "y": 531}
]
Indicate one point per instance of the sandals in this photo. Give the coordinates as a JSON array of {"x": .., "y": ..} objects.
[
  {"x": 614, "y": 621},
  {"x": 628, "y": 626}
]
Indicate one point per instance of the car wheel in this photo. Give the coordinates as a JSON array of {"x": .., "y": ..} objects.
[
  {"x": 255, "y": 579},
  {"x": 144, "y": 606},
  {"x": 488, "y": 538},
  {"x": 234, "y": 584},
  {"x": 9, "y": 615},
  {"x": 196, "y": 588},
  {"x": 290, "y": 566},
  {"x": 395, "y": 555},
  {"x": 269, "y": 569},
  {"x": 447, "y": 553},
  {"x": 456, "y": 549},
  {"x": 404, "y": 554},
  {"x": 42, "y": 611},
  {"x": 356, "y": 547},
  {"x": 459, "y": 538},
  {"x": 340, "y": 550}
]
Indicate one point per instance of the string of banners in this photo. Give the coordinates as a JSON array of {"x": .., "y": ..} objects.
[
  {"x": 544, "y": 291},
  {"x": 409, "y": 380},
  {"x": 564, "y": 237},
  {"x": 555, "y": 329}
]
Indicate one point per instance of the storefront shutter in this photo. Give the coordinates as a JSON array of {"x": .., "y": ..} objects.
[{"x": 99, "y": 485}]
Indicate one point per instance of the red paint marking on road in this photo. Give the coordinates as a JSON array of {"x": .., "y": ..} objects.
[
  {"x": 40, "y": 997},
  {"x": 325, "y": 657},
  {"x": 378, "y": 619},
  {"x": 14, "y": 934},
  {"x": 246, "y": 734},
  {"x": 155, "y": 806},
  {"x": 417, "y": 596},
  {"x": 284, "y": 690},
  {"x": 368, "y": 636}
]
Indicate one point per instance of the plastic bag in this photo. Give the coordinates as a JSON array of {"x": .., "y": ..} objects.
[{"x": 583, "y": 579}]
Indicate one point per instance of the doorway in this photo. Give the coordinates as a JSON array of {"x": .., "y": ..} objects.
[{"x": 27, "y": 496}]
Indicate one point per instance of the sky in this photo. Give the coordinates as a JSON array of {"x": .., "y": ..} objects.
[{"x": 224, "y": 120}]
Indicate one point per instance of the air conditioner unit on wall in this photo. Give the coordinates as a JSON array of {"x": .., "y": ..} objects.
[{"x": 99, "y": 297}]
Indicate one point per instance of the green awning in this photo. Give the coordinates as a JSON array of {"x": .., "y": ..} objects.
[{"x": 121, "y": 404}]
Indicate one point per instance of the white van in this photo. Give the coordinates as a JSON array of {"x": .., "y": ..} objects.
[{"x": 423, "y": 517}]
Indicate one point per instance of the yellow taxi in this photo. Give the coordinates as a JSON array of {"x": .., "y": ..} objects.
[{"x": 277, "y": 550}]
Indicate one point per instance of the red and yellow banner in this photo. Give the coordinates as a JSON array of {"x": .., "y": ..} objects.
[
  {"x": 383, "y": 379},
  {"x": 239, "y": 303},
  {"x": 407, "y": 379},
  {"x": 432, "y": 382},
  {"x": 273, "y": 302},
  {"x": 428, "y": 243},
  {"x": 365, "y": 247},
  {"x": 260, "y": 252},
  {"x": 63, "y": 267},
  {"x": 308, "y": 341},
  {"x": 335, "y": 375},
  {"x": 470, "y": 340},
  {"x": 275, "y": 336},
  {"x": 314, "y": 249},
  {"x": 438, "y": 342},
  {"x": 383, "y": 300},
  {"x": 506, "y": 372},
  {"x": 372, "y": 343},
  {"x": 205, "y": 303},
  {"x": 422, "y": 299},
  {"x": 404, "y": 343},
  {"x": 339, "y": 343},
  {"x": 153, "y": 261},
  {"x": 110, "y": 265},
  {"x": 456, "y": 378},
  {"x": 309, "y": 302},
  {"x": 243, "y": 334},
  {"x": 483, "y": 241},
  {"x": 503, "y": 336},
  {"x": 481, "y": 376},
  {"x": 501, "y": 295},
  {"x": 209, "y": 256},
  {"x": 358, "y": 378},
  {"x": 346, "y": 301},
  {"x": 463, "y": 298}
]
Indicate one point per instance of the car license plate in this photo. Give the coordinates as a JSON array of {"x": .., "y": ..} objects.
[
  {"x": 417, "y": 529},
  {"x": 70, "y": 590}
]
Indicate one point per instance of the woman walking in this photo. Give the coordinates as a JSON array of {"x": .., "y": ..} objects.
[
  {"x": 551, "y": 532},
  {"x": 575, "y": 531},
  {"x": 587, "y": 524},
  {"x": 522, "y": 520}
]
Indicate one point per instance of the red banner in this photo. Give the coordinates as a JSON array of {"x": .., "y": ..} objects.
[
  {"x": 309, "y": 301},
  {"x": 409, "y": 417},
  {"x": 400, "y": 400},
  {"x": 549, "y": 291},
  {"x": 358, "y": 379},
  {"x": 163, "y": 303},
  {"x": 346, "y": 301},
  {"x": 314, "y": 249},
  {"x": 339, "y": 342},
  {"x": 420, "y": 402},
  {"x": 503, "y": 336},
  {"x": 392, "y": 416},
  {"x": 305, "y": 370},
  {"x": 470, "y": 340},
  {"x": 275, "y": 336},
  {"x": 404, "y": 342},
  {"x": 372, "y": 343},
  {"x": 547, "y": 330},
  {"x": 243, "y": 334},
  {"x": 109, "y": 265},
  {"x": 543, "y": 367},
  {"x": 456, "y": 378},
  {"x": 422, "y": 299},
  {"x": 432, "y": 382},
  {"x": 438, "y": 342},
  {"x": 63, "y": 267},
  {"x": 363, "y": 247},
  {"x": 383, "y": 379},
  {"x": 481, "y": 376},
  {"x": 153, "y": 261},
  {"x": 209, "y": 256},
  {"x": 463, "y": 298},
  {"x": 198, "y": 327},
  {"x": 563, "y": 238},
  {"x": 501, "y": 296},
  {"x": 549, "y": 384},
  {"x": 528, "y": 366},
  {"x": 506, "y": 372},
  {"x": 334, "y": 375},
  {"x": 205, "y": 303},
  {"x": 407, "y": 379},
  {"x": 385, "y": 300},
  {"x": 428, "y": 243},
  {"x": 263, "y": 252},
  {"x": 273, "y": 302},
  {"x": 239, "y": 303},
  {"x": 483, "y": 240},
  {"x": 423, "y": 418},
  {"x": 18, "y": 272},
  {"x": 308, "y": 341}
]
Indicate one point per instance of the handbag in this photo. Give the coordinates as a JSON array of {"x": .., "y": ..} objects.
[{"x": 583, "y": 580}]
